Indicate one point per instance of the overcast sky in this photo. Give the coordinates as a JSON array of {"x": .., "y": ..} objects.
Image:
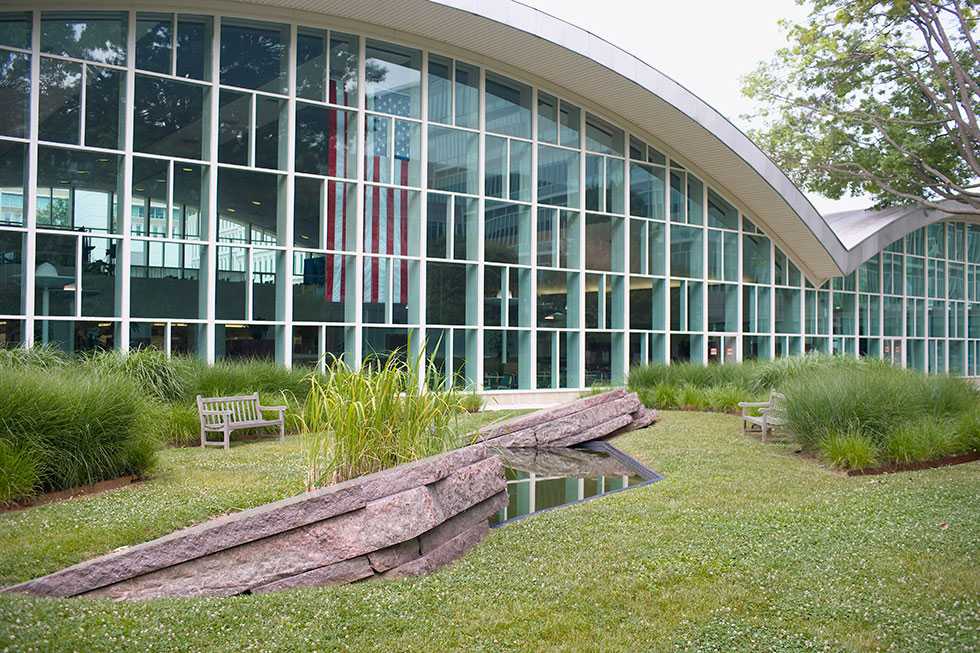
[{"x": 705, "y": 45}]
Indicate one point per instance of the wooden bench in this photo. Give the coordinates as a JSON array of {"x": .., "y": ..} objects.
[
  {"x": 226, "y": 414},
  {"x": 772, "y": 414}
]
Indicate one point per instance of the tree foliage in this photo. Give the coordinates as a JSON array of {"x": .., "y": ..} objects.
[{"x": 877, "y": 97}]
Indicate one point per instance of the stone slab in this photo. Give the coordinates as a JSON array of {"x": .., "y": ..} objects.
[
  {"x": 249, "y": 525},
  {"x": 394, "y": 556},
  {"x": 547, "y": 433},
  {"x": 525, "y": 422},
  {"x": 563, "y": 462},
  {"x": 601, "y": 430},
  {"x": 340, "y": 573},
  {"x": 481, "y": 512},
  {"x": 378, "y": 525},
  {"x": 442, "y": 555}
]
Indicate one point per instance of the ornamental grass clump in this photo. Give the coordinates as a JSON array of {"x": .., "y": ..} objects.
[
  {"x": 355, "y": 422},
  {"x": 239, "y": 377},
  {"x": 68, "y": 427},
  {"x": 901, "y": 415}
]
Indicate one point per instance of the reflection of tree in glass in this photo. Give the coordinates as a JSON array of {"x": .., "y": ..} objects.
[{"x": 92, "y": 39}]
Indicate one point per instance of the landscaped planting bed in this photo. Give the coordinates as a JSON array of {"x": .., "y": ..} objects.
[{"x": 852, "y": 413}]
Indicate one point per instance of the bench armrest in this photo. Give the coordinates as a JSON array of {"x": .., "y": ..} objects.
[
  {"x": 279, "y": 408},
  {"x": 753, "y": 404}
]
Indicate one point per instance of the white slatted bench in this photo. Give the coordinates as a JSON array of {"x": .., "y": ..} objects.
[
  {"x": 772, "y": 414},
  {"x": 226, "y": 414}
]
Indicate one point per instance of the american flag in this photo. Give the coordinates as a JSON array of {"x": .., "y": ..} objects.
[
  {"x": 386, "y": 209},
  {"x": 335, "y": 272}
]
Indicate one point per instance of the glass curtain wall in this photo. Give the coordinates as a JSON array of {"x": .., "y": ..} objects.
[{"x": 233, "y": 188}]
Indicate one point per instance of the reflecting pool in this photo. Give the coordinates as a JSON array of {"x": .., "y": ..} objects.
[{"x": 543, "y": 479}]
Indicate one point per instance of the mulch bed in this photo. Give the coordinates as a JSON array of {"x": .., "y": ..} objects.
[
  {"x": 71, "y": 493},
  {"x": 911, "y": 467}
]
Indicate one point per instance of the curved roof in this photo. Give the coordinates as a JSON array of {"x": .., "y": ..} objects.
[
  {"x": 549, "y": 49},
  {"x": 864, "y": 233}
]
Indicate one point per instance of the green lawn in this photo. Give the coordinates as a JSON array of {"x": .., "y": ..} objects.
[{"x": 743, "y": 546}]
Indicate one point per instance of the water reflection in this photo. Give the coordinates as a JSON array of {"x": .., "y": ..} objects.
[{"x": 542, "y": 479}]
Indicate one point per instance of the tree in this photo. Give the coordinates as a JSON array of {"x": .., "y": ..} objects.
[{"x": 877, "y": 97}]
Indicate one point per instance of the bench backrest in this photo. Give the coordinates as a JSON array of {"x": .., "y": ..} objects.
[
  {"x": 244, "y": 408},
  {"x": 777, "y": 404}
]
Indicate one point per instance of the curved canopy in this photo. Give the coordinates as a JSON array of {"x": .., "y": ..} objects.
[{"x": 548, "y": 48}]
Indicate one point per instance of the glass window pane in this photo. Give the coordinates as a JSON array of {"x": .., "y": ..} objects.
[
  {"x": 508, "y": 106},
  {"x": 165, "y": 280},
  {"x": 60, "y": 102},
  {"x": 685, "y": 252},
  {"x": 15, "y": 94},
  {"x": 552, "y": 299},
  {"x": 194, "y": 47},
  {"x": 678, "y": 196},
  {"x": 695, "y": 200},
  {"x": 507, "y": 233},
  {"x": 547, "y": 118},
  {"x": 13, "y": 175},
  {"x": 394, "y": 79},
  {"x": 265, "y": 268},
  {"x": 603, "y": 137},
  {"x": 154, "y": 42},
  {"x": 615, "y": 193},
  {"x": 189, "y": 213},
  {"x": 495, "y": 184},
  {"x": 254, "y": 55},
  {"x": 270, "y": 150},
  {"x": 15, "y": 29},
  {"x": 594, "y": 183},
  {"x": 93, "y": 35},
  {"x": 230, "y": 289},
  {"x": 343, "y": 69},
  {"x": 467, "y": 95},
  {"x": 105, "y": 94},
  {"x": 558, "y": 176},
  {"x": 248, "y": 206},
  {"x": 169, "y": 118},
  {"x": 647, "y": 191},
  {"x": 391, "y": 221},
  {"x": 570, "y": 119},
  {"x": 755, "y": 259},
  {"x": 440, "y": 89},
  {"x": 388, "y": 285},
  {"x": 453, "y": 164},
  {"x": 604, "y": 238},
  {"x": 234, "y": 125},
  {"x": 307, "y": 212},
  {"x": 311, "y": 64},
  {"x": 325, "y": 141},
  {"x": 320, "y": 284},
  {"x": 55, "y": 274},
  {"x": 11, "y": 272},
  {"x": 77, "y": 190},
  {"x": 447, "y": 286},
  {"x": 149, "y": 197},
  {"x": 720, "y": 212},
  {"x": 99, "y": 277},
  {"x": 520, "y": 171}
]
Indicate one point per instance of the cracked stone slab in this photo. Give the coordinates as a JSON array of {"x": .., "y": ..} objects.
[
  {"x": 339, "y": 573},
  {"x": 442, "y": 555},
  {"x": 602, "y": 430}
]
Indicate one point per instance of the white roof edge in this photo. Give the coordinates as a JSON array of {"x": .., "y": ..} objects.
[{"x": 866, "y": 232}]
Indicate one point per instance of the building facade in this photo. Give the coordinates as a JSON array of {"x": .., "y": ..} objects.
[{"x": 285, "y": 185}]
